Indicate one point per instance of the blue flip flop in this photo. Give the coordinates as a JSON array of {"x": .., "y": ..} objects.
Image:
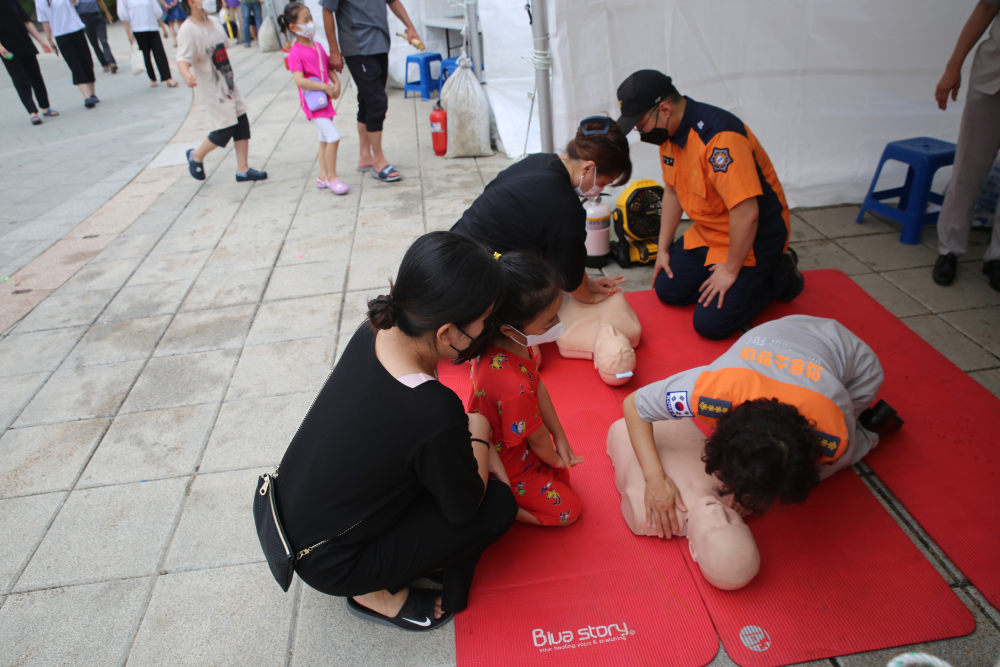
[{"x": 384, "y": 174}]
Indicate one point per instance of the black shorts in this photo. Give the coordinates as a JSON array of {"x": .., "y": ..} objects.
[
  {"x": 370, "y": 74},
  {"x": 238, "y": 132}
]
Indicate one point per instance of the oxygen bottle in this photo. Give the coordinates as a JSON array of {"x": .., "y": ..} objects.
[{"x": 598, "y": 232}]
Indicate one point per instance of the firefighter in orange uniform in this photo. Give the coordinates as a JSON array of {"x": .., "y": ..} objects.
[{"x": 735, "y": 257}]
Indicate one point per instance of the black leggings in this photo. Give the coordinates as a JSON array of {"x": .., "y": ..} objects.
[
  {"x": 26, "y": 75},
  {"x": 150, "y": 43},
  {"x": 76, "y": 53},
  {"x": 422, "y": 542}
]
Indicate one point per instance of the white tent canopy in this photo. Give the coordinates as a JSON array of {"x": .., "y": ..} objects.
[{"x": 823, "y": 85}]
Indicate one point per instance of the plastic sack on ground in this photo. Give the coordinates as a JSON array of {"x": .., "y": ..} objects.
[
  {"x": 267, "y": 36},
  {"x": 468, "y": 110},
  {"x": 986, "y": 204}
]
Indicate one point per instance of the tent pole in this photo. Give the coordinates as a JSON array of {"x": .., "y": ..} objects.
[
  {"x": 472, "y": 15},
  {"x": 543, "y": 62}
]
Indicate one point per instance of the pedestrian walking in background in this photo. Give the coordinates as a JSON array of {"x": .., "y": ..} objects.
[
  {"x": 252, "y": 17},
  {"x": 60, "y": 20},
  {"x": 19, "y": 57},
  {"x": 139, "y": 18},
  {"x": 204, "y": 64},
  {"x": 235, "y": 14},
  {"x": 97, "y": 31},
  {"x": 310, "y": 66},
  {"x": 174, "y": 17}
]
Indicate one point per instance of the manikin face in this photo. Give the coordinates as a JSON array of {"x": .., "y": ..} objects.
[{"x": 722, "y": 544}]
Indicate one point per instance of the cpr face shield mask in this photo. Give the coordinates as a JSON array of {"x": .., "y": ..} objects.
[
  {"x": 550, "y": 336},
  {"x": 657, "y": 136},
  {"x": 473, "y": 350}
]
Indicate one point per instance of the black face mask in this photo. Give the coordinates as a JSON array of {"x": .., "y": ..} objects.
[
  {"x": 657, "y": 136},
  {"x": 475, "y": 347}
]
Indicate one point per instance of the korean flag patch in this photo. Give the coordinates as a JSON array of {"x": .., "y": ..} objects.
[
  {"x": 720, "y": 159},
  {"x": 677, "y": 404}
]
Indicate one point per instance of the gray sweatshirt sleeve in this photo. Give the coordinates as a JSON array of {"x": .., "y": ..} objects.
[{"x": 668, "y": 399}]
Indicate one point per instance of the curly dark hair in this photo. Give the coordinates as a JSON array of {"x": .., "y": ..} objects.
[{"x": 764, "y": 450}]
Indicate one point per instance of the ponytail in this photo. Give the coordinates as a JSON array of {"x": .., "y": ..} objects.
[
  {"x": 608, "y": 151},
  {"x": 289, "y": 16}
]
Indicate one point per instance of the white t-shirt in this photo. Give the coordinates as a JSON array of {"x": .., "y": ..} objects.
[
  {"x": 204, "y": 49},
  {"x": 60, "y": 14},
  {"x": 985, "y": 74},
  {"x": 140, "y": 14}
]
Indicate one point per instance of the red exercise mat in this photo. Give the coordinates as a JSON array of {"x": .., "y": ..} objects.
[
  {"x": 944, "y": 466},
  {"x": 591, "y": 593}
]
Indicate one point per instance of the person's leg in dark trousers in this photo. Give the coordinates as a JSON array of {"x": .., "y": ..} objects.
[
  {"x": 162, "y": 64},
  {"x": 422, "y": 542},
  {"x": 90, "y": 22},
  {"x": 370, "y": 74},
  {"x": 22, "y": 84},
  {"x": 34, "y": 72},
  {"x": 76, "y": 53},
  {"x": 688, "y": 267},
  {"x": 144, "y": 41}
]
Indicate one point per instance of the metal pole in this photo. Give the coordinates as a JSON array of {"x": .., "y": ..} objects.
[
  {"x": 472, "y": 14},
  {"x": 543, "y": 62}
]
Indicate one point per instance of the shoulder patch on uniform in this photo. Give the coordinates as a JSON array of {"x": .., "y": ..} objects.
[
  {"x": 720, "y": 159},
  {"x": 713, "y": 407},
  {"x": 669, "y": 161},
  {"x": 678, "y": 405},
  {"x": 829, "y": 443}
]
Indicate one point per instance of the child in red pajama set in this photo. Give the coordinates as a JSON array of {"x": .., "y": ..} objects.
[{"x": 507, "y": 390}]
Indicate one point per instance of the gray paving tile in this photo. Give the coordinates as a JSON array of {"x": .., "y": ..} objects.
[
  {"x": 254, "y": 433},
  {"x": 118, "y": 341},
  {"x": 282, "y": 368},
  {"x": 213, "y": 290},
  {"x": 186, "y": 379},
  {"x": 79, "y": 625},
  {"x": 80, "y": 393},
  {"x": 289, "y": 282},
  {"x": 327, "y": 633},
  {"x": 216, "y": 529},
  {"x": 990, "y": 610},
  {"x": 100, "y": 276},
  {"x": 979, "y": 240},
  {"x": 43, "y": 459},
  {"x": 951, "y": 343},
  {"x": 242, "y": 257},
  {"x": 838, "y": 221},
  {"x": 150, "y": 445},
  {"x": 36, "y": 351},
  {"x": 827, "y": 254},
  {"x": 441, "y": 214},
  {"x": 202, "y": 330},
  {"x": 108, "y": 532},
  {"x": 187, "y": 239},
  {"x": 884, "y": 252},
  {"x": 965, "y": 293},
  {"x": 982, "y": 325},
  {"x": 290, "y": 319},
  {"x": 222, "y": 616},
  {"x": 169, "y": 267},
  {"x": 979, "y": 648},
  {"x": 66, "y": 310},
  {"x": 306, "y": 250},
  {"x": 130, "y": 245},
  {"x": 24, "y": 521},
  {"x": 375, "y": 261},
  {"x": 989, "y": 379},
  {"x": 895, "y": 300},
  {"x": 143, "y": 301},
  {"x": 802, "y": 230},
  {"x": 15, "y": 392}
]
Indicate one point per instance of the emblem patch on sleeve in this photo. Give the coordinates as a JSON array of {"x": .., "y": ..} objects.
[
  {"x": 669, "y": 161},
  {"x": 720, "y": 159},
  {"x": 678, "y": 405}
]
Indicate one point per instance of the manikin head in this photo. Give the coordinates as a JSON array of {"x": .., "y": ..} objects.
[
  {"x": 722, "y": 544},
  {"x": 613, "y": 355}
]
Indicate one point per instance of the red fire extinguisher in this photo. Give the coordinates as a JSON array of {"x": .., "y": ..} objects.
[{"x": 439, "y": 129}]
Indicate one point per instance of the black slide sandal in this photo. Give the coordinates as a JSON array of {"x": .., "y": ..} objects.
[{"x": 416, "y": 615}]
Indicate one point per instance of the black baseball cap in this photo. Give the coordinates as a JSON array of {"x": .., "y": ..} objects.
[{"x": 639, "y": 93}]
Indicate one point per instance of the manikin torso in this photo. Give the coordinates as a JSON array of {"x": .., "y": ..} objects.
[{"x": 606, "y": 332}]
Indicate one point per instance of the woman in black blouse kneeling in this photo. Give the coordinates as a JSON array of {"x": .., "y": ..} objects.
[{"x": 387, "y": 465}]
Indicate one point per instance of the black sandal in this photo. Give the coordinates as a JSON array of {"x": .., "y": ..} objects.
[{"x": 416, "y": 615}]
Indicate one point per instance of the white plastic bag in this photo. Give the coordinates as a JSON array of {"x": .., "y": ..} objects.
[
  {"x": 267, "y": 36},
  {"x": 138, "y": 61},
  {"x": 468, "y": 110}
]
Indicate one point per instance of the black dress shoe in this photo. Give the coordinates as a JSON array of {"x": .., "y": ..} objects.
[
  {"x": 881, "y": 419},
  {"x": 992, "y": 269},
  {"x": 945, "y": 269},
  {"x": 789, "y": 265}
]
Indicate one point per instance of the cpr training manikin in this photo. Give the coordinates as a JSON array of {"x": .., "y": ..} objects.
[
  {"x": 720, "y": 541},
  {"x": 606, "y": 332}
]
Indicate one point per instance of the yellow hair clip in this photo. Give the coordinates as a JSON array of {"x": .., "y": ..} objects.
[{"x": 496, "y": 255}]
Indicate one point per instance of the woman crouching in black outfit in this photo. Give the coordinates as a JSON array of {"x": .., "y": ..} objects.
[{"x": 387, "y": 463}]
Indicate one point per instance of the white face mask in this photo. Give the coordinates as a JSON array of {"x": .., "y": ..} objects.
[
  {"x": 593, "y": 191},
  {"x": 210, "y": 6},
  {"x": 307, "y": 31},
  {"x": 550, "y": 336}
]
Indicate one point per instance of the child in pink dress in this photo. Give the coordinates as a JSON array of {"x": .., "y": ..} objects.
[{"x": 309, "y": 65}]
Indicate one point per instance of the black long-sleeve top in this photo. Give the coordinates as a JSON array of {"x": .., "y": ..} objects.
[
  {"x": 13, "y": 35},
  {"x": 368, "y": 446}
]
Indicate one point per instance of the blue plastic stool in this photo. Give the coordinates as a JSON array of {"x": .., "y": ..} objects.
[
  {"x": 448, "y": 67},
  {"x": 426, "y": 83},
  {"x": 924, "y": 157}
]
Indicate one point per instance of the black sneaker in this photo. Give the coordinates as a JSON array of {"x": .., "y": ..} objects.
[
  {"x": 945, "y": 269},
  {"x": 251, "y": 175},
  {"x": 197, "y": 169},
  {"x": 789, "y": 265},
  {"x": 992, "y": 269},
  {"x": 94, "y": 97},
  {"x": 416, "y": 615},
  {"x": 89, "y": 103}
]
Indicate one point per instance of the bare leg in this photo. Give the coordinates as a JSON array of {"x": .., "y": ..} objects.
[
  {"x": 365, "y": 158},
  {"x": 87, "y": 89},
  {"x": 371, "y": 150},
  {"x": 381, "y": 602},
  {"x": 331, "y": 159},
  {"x": 324, "y": 174},
  {"x": 203, "y": 150},
  {"x": 242, "y": 151},
  {"x": 163, "y": 27},
  {"x": 173, "y": 31}
]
